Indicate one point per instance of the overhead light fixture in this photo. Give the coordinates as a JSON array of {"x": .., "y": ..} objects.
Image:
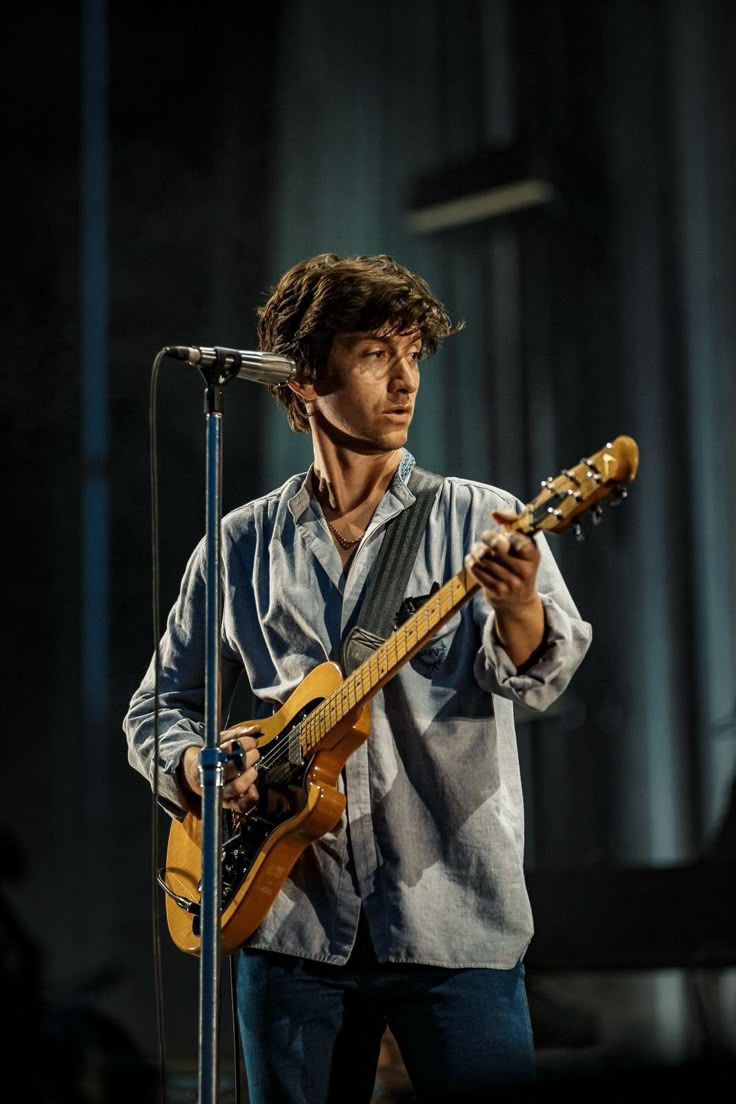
[{"x": 494, "y": 183}]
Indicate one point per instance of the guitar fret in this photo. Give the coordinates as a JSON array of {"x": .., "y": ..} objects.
[
  {"x": 372, "y": 672},
  {"x": 375, "y": 671}
]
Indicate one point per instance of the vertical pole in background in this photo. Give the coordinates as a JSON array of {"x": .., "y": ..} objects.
[
  {"x": 94, "y": 583},
  {"x": 211, "y": 765}
]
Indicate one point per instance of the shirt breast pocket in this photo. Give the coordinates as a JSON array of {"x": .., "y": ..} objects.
[{"x": 430, "y": 660}]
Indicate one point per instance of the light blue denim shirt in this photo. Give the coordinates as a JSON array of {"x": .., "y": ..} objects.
[{"x": 432, "y": 841}]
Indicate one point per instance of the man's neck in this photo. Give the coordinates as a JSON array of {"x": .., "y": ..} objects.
[{"x": 347, "y": 482}]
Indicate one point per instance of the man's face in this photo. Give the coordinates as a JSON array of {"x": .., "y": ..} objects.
[{"x": 366, "y": 399}]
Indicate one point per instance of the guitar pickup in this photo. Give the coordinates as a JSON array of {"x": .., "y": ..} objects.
[{"x": 295, "y": 746}]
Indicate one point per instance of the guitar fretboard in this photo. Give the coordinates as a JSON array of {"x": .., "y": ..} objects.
[{"x": 375, "y": 671}]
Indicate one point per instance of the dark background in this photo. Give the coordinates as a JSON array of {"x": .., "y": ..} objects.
[{"x": 164, "y": 164}]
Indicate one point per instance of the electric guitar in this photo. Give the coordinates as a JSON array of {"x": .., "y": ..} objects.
[{"x": 307, "y": 742}]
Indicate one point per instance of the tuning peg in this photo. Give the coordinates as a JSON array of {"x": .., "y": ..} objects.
[
  {"x": 577, "y": 531},
  {"x": 597, "y": 514},
  {"x": 618, "y": 494}
]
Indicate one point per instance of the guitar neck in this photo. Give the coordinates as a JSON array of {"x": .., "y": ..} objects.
[
  {"x": 560, "y": 502},
  {"x": 380, "y": 667}
]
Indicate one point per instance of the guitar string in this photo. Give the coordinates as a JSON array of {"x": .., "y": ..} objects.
[
  {"x": 332, "y": 703},
  {"x": 339, "y": 701},
  {"x": 340, "y": 697},
  {"x": 281, "y": 752}
]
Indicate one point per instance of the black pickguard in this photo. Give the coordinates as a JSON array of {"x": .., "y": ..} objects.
[{"x": 282, "y": 794}]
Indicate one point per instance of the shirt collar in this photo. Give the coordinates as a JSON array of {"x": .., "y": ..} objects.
[{"x": 299, "y": 503}]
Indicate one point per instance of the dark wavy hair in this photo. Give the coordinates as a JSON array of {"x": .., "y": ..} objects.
[{"x": 326, "y": 295}]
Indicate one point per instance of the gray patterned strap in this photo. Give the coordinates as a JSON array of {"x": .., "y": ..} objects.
[{"x": 391, "y": 572}]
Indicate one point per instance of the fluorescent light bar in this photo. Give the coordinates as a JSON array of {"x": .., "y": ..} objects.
[{"x": 480, "y": 205}]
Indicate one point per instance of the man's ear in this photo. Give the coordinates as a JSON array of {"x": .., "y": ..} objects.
[{"x": 305, "y": 391}]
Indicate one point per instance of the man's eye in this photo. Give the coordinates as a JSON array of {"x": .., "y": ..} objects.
[{"x": 376, "y": 353}]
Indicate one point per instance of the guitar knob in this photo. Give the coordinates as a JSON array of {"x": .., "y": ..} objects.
[
  {"x": 618, "y": 495},
  {"x": 597, "y": 514},
  {"x": 577, "y": 531}
]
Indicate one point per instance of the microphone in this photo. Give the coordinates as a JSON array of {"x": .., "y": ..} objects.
[{"x": 251, "y": 365}]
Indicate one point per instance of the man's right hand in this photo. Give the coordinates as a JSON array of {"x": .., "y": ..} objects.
[{"x": 239, "y": 791}]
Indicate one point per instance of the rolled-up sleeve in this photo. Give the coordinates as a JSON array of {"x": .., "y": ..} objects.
[
  {"x": 567, "y": 638},
  {"x": 180, "y": 718}
]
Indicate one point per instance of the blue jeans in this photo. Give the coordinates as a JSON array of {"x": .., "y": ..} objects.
[{"x": 312, "y": 1032}]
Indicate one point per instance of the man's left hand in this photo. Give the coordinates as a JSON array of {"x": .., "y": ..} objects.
[{"x": 505, "y": 563}]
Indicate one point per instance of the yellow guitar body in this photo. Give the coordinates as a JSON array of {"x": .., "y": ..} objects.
[{"x": 323, "y": 807}]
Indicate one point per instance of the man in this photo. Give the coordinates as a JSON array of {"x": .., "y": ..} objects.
[{"x": 413, "y": 911}]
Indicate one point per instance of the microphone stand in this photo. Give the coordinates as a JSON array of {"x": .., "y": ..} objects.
[
  {"x": 212, "y": 757},
  {"x": 217, "y": 366}
]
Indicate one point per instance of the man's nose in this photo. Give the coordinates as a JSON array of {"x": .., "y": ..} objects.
[{"x": 405, "y": 374}]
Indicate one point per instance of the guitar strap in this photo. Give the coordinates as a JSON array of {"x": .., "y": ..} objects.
[{"x": 390, "y": 574}]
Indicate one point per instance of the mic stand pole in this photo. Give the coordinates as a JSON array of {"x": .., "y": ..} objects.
[{"x": 212, "y": 757}]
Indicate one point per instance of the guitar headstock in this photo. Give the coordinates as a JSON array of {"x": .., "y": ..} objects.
[{"x": 580, "y": 488}]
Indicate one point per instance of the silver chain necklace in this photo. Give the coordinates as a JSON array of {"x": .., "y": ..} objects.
[{"x": 341, "y": 540}]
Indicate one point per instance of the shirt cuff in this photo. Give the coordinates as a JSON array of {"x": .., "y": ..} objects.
[
  {"x": 548, "y": 671},
  {"x": 172, "y": 798}
]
